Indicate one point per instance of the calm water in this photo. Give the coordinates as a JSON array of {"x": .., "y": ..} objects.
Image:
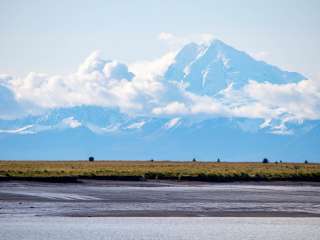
[{"x": 64, "y": 228}]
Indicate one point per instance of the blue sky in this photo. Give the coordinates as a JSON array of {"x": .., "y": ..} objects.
[{"x": 55, "y": 36}]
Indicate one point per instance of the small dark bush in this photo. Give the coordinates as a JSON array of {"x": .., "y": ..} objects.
[
  {"x": 306, "y": 162},
  {"x": 91, "y": 159},
  {"x": 218, "y": 160},
  {"x": 265, "y": 160},
  {"x": 194, "y": 160},
  {"x": 151, "y": 160}
]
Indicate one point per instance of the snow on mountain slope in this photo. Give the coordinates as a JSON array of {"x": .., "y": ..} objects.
[
  {"x": 204, "y": 140},
  {"x": 209, "y": 68}
]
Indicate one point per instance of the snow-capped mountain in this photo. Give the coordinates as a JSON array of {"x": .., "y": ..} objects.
[
  {"x": 69, "y": 136},
  {"x": 107, "y": 132},
  {"x": 209, "y": 68}
]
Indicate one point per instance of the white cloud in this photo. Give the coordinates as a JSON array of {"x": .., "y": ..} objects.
[
  {"x": 10, "y": 106},
  {"x": 206, "y": 105},
  {"x": 93, "y": 63},
  {"x": 296, "y": 100},
  {"x": 173, "y": 108},
  {"x": 97, "y": 82},
  {"x": 152, "y": 70}
]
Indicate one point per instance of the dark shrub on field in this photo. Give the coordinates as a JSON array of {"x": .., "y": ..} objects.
[
  {"x": 306, "y": 162},
  {"x": 91, "y": 159},
  {"x": 218, "y": 160},
  {"x": 265, "y": 160},
  {"x": 194, "y": 160}
]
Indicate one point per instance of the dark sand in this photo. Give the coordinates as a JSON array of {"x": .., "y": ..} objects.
[{"x": 160, "y": 199}]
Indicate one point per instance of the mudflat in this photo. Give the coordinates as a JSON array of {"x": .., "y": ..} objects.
[{"x": 159, "y": 198}]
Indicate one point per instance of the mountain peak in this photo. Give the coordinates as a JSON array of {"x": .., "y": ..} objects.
[
  {"x": 217, "y": 42},
  {"x": 210, "y": 67}
]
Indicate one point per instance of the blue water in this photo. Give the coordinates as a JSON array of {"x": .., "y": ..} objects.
[{"x": 64, "y": 228}]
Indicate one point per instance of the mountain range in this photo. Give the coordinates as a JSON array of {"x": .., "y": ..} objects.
[{"x": 77, "y": 132}]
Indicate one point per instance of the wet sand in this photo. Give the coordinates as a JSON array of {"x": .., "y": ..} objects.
[{"x": 100, "y": 198}]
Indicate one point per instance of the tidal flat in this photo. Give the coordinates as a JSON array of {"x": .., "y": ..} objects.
[{"x": 159, "y": 198}]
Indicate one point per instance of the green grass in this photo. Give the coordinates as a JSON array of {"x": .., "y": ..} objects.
[{"x": 161, "y": 170}]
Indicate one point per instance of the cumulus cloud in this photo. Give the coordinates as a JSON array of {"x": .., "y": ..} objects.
[
  {"x": 297, "y": 100},
  {"x": 154, "y": 69},
  {"x": 10, "y": 106},
  {"x": 173, "y": 108},
  {"x": 97, "y": 82}
]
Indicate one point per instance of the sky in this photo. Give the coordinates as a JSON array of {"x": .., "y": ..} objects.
[{"x": 54, "y": 37}]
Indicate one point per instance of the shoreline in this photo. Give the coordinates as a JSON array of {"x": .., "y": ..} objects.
[{"x": 204, "y": 179}]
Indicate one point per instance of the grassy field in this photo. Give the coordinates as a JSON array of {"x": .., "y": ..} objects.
[{"x": 141, "y": 170}]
